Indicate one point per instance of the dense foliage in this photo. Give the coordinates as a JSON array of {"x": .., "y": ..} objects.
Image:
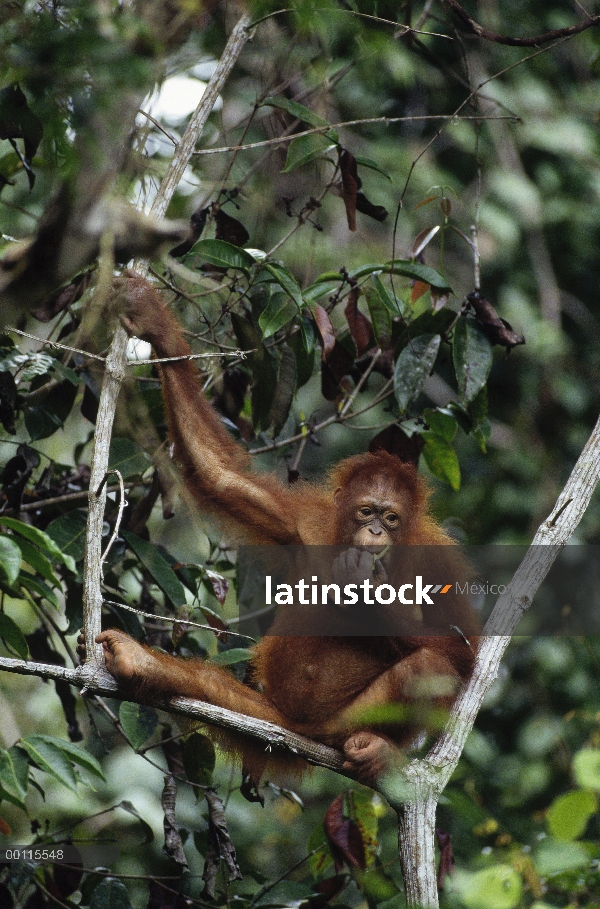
[{"x": 334, "y": 267}]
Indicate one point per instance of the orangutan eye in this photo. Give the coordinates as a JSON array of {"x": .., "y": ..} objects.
[
  {"x": 391, "y": 518},
  {"x": 365, "y": 512}
]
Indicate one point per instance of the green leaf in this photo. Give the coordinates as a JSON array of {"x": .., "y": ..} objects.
[
  {"x": 441, "y": 423},
  {"x": 365, "y": 817},
  {"x": 12, "y": 635},
  {"x": 128, "y": 458},
  {"x": 50, "y": 759},
  {"x": 36, "y": 585},
  {"x": 377, "y": 886},
  {"x": 472, "y": 355},
  {"x": 223, "y": 254},
  {"x": 235, "y": 655},
  {"x": 478, "y": 407},
  {"x": 387, "y": 299},
  {"x": 284, "y": 391},
  {"x": 110, "y": 894},
  {"x": 307, "y": 330},
  {"x": 586, "y": 767},
  {"x": 38, "y": 562},
  {"x": 568, "y": 815},
  {"x": 44, "y": 419},
  {"x": 407, "y": 269},
  {"x": 14, "y": 772},
  {"x": 305, "y": 362},
  {"x": 279, "y": 311},
  {"x": 73, "y": 752},
  {"x": 198, "y": 758},
  {"x": 321, "y": 859},
  {"x": 41, "y": 539},
  {"x": 68, "y": 532},
  {"x": 441, "y": 459},
  {"x": 286, "y": 280},
  {"x": 138, "y": 721},
  {"x": 413, "y": 367},
  {"x": 305, "y": 149},
  {"x": 10, "y": 559},
  {"x": 41, "y": 423},
  {"x": 372, "y": 165},
  {"x": 380, "y": 317},
  {"x": 319, "y": 289},
  {"x": 300, "y": 112},
  {"x": 264, "y": 389},
  {"x": 498, "y": 887},
  {"x": 552, "y": 857},
  {"x": 158, "y": 567}
]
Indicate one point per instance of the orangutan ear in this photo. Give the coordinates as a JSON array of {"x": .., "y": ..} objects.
[{"x": 337, "y": 495}]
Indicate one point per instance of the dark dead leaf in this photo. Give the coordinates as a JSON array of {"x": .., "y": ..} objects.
[
  {"x": 446, "y": 866},
  {"x": 63, "y": 298},
  {"x": 219, "y": 846},
  {"x": 17, "y": 121},
  {"x": 343, "y": 836},
  {"x": 173, "y": 846},
  {"x": 359, "y": 325},
  {"x": 230, "y": 229},
  {"x": 326, "y": 891},
  {"x": 497, "y": 330},
  {"x": 197, "y": 223},
  {"x": 395, "y": 440},
  {"x": 326, "y": 330},
  {"x": 335, "y": 371},
  {"x": 8, "y": 401},
  {"x": 351, "y": 183},
  {"x": 363, "y": 205}
]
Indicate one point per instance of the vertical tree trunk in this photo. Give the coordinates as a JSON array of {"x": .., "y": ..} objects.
[{"x": 416, "y": 848}]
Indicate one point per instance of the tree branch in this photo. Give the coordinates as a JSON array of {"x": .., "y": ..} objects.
[
  {"x": 426, "y": 778},
  {"x": 116, "y": 361},
  {"x": 476, "y": 29},
  {"x": 97, "y": 681}
]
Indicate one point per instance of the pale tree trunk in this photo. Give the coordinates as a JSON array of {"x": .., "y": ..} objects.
[{"x": 428, "y": 777}]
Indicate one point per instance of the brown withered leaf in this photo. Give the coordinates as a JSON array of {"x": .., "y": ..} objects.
[
  {"x": 326, "y": 891},
  {"x": 334, "y": 373},
  {"x": 419, "y": 288},
  {"x": 230, "y": 229},
  {"x": 219, "y": 846},
  {"x": 197, "y": 224},
  {"x": 359, "y": 325},
  {"x": 8, "y": 401},
  {"x": 351, "y": 183},
  {"x": 64, "y": 297},
  {"x": 363, "y": 205},
  {"x": 446, "y": 866},
  {"x": 325, "y": 330},
  {"x": 497, "y": 330},
  {"x": 394, "y": 440},
  {"x": 173, "y": 845},
  {"x": 343, "y": 837}
]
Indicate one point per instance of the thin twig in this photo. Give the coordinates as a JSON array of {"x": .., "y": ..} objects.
[
  {"x": 360, "y": 383},
  {"x": 55, "y": 344},
  {"x": 323, "y": 129},
  {"x": 122, "y": 503},
  {"x": 176, "y": 621},
  {"x": 487, "y": 35}
]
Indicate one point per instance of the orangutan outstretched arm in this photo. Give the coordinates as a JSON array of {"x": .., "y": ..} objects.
[{"x": 214, "y": 466}]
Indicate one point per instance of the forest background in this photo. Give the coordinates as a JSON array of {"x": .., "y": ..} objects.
[{"x": 474, "y": 148}]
